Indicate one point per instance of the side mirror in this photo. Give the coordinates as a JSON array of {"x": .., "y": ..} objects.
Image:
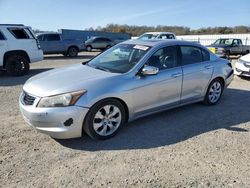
[{"x": 149, "y": 70}]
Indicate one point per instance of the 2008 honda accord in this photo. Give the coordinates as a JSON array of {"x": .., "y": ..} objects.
[{"x": 128, "y": 81}]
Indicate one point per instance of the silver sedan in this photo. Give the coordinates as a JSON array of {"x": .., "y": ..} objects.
[{"x": 130, "y": 80}]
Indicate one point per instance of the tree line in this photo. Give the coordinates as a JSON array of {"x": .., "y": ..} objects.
[{"x": 134, "y": 30}]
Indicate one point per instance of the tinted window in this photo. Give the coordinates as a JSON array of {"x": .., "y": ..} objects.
[
  {"x": 166, "y": 36},
  {"x": 190, "y": 55},
  {"x": 1, "y": 36},
  {"x": 164, "y": 58},
  {"x": 52, "y": 37},
  {"x": 205, "y": 55},
  {"x": 19, "y": 33},
  {"x": 98, "y": 40}
]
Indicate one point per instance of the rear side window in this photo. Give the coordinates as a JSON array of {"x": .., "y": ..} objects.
[
  {"x": 166, "y": 36},
  {"x": 191, "y": 55},
  {"x": 205, "y": 55},
  {"x": 1, "y": 36},
  {"x": 19, "y": 33},
  {"x": 52, "y": 37}
]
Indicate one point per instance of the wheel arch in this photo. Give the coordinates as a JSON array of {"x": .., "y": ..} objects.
[
  {"x": 73, "y": 46},
  {"x": 14, "y": 52}
]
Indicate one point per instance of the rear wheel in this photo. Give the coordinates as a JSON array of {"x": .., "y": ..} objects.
[
  {"x": 104, "y": 119},
  {"x": 72, "y": 52},
  {"x": 17, "y": 65},
  {"x": 89, "y": 48},
  {"x": 214, "y": 92}
]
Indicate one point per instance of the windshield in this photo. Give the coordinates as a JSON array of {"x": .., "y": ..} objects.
[
  {"x": 119, "y": 59},
  {"x": 147, "y": 36},
  {"x": 224, "y": 41}
]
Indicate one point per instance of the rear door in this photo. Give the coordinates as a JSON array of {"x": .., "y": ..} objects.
[
  {"x": 51, "y": 43},
  {"x": 3, "y": 47},
  {"x": 197, "y": 72}
]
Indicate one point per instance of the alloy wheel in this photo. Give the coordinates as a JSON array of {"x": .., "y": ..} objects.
[{"x": 107, "y": 120}]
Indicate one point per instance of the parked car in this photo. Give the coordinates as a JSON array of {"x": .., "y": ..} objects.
[
  {"x": 226, "y": 46},
  {"x": 242, "y": 66},
  {"x": 100, "y": 43},
  {"x": 157, "y": 35},
  {"x": 130, "y": 80},
  {"x": 19, "y": 48},
  {"x": 54, "y": 43}
]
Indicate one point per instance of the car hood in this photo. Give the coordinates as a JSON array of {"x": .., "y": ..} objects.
[
  {"x": 218, "y": 45},
  {"x": 63, "y": 80}
]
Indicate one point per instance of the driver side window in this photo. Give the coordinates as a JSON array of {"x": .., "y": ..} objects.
[{"x": 164, "y": 58}]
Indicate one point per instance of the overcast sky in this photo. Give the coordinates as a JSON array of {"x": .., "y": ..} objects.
[{"x": 80, "y": 14}]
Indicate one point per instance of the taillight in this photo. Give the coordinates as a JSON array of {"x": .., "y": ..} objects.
[{"x": 38, "y": 44}]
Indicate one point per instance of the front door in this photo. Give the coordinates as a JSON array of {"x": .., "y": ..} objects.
[{"x": 155, "y": 92}]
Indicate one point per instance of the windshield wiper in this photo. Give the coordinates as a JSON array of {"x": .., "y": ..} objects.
[{"x": 103, "y": 69}]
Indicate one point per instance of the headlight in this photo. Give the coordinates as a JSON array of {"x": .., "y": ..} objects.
[{"x": 62, "y": 100}]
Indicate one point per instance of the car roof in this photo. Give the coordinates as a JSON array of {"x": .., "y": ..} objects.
[
  {"x": 46, "y": 33},
  {"x": 157, "y": 42},
  {"x": 157, "y": 33}
]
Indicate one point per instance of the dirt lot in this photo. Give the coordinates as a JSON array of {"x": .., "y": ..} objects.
[{"x": 192, "y": 146}]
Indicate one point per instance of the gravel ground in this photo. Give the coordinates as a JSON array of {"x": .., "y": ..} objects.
[{"x": 192, "y": 146}]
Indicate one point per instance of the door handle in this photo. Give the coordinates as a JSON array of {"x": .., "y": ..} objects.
[
  {"x": 208, "y": 67},
  {"x": 175, "y": 75}
]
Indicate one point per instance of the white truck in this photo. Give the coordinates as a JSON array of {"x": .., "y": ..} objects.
[{"x": 18, "y": 48}]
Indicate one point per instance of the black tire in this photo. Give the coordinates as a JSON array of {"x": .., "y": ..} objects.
[
  {"x": 207, "y": 99},
  {"x": 89, "y": 48},
  {"x": 17, "y": 65},
  {"x": 72, "y": 52},
  {"x": 88, "y": 125},
  {"x": 228, "y": 55}
]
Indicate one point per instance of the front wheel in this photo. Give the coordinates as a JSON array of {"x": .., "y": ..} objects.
[
  {"x": 214, "y": 92},
  {"x": 104, "y": 119}
]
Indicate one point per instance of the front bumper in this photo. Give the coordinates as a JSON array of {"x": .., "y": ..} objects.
[
  {"x": 241, "y": 70},
  {"x": 60, "y": 122}
]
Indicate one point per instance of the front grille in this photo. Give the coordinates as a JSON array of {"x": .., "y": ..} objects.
[{"x": 28, "y": 100}]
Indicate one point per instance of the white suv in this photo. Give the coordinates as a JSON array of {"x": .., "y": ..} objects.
[{"x": 18, "y": 48}]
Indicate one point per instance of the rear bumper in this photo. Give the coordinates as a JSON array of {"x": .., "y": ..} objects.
[
  {"x": 229, "y": 78},
  {"x": 37, "y": 57}
]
